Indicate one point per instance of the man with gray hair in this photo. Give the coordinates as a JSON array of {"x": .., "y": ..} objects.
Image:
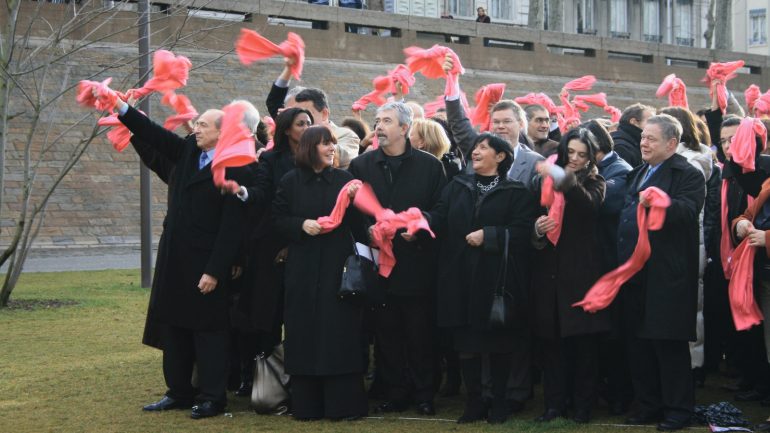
[
  {"x": 659, "y": 303},
  {"x": 403, "y": 177}
]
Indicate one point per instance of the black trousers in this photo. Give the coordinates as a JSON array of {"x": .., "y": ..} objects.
[
  {"x": 404, "y": 332},
  {"x": 519, "y": 384},
  {"x": 182, "y": 349},
  {"x": 333, "y": 397},
  {"x": 570, "y": 370},
  {"x": 660, "y": 372}
]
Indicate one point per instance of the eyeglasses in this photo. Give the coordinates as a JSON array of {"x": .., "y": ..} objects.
[{"x": 726, "y": 140}]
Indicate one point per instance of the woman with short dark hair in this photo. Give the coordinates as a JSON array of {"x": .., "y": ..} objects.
[
  {"x": 323, "y": 334},
  {"x": 563, "y": 273},
  {"x": 475, "y": 216}
]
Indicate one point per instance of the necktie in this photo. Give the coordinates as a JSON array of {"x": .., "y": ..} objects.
[
  {"x": 646, "y": 176},
  {"x": 203, "y": 161}
]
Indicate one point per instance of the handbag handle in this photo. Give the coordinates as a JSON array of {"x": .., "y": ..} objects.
[
  {"x": 503, "y": 275},
  {"x": 358, "y": 256}
]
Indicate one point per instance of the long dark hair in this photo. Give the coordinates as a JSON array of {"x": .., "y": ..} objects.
[
  {"x": 283, "y": 123},
  {"x": 500, "y": 146},
  {"x": 307, "y": 152},
  {"x": 585, "y": 136}
]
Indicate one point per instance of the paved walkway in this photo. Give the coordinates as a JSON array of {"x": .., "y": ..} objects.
[{"x": 86, "y": 259}]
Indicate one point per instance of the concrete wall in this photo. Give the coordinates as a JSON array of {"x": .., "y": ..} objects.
[{"x": 97, "y": 204}]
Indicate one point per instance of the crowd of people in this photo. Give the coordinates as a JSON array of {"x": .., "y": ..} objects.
[{"x": 527, "y": 217}]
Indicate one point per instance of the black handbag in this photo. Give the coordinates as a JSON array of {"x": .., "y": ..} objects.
[
  {"x": 499, "y": 315},
  {"x": 359, "y": 278}
]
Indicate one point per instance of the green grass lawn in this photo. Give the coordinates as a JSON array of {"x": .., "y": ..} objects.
[{"x": 82, "y": 368}]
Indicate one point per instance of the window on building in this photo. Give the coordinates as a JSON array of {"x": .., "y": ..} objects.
[
  {"x": 501, "y": 9},
  {"x": 585, "y": 17},
  {"x": 683, "y": 17},
  {"x": 758, "y": 27},
  {"x": 651, "y": 21},
  {"x": 460, "y": 8},
  {"x": 619, "y": 18}
]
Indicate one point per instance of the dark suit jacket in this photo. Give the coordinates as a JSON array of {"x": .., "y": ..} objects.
[
  {"x": 660, "y": 301},
  {"x": 203, "y": 231}
]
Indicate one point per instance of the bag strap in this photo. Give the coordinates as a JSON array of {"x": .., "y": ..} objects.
[{"x": 503, "y": 273}]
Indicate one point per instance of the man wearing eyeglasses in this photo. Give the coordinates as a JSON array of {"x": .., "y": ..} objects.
[{"x": 538, "y": 127}]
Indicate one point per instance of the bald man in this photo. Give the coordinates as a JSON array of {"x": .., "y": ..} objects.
[{"x": 202, "y": 232}]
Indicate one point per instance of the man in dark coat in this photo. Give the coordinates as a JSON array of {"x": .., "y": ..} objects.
[
  {"x": 203, "y": 229},
  {"x": 538, "y": 127},
  {"x": 660, "y": 301},
  {"x": 628, "y": 134},
  {"x": 403, "y": 177}
]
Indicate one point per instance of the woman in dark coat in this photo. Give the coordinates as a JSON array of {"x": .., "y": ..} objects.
[
  {"x": 568, "y": 336},
  {"x": 473, "y": 215},
  {"x": 323, "y": 334}
]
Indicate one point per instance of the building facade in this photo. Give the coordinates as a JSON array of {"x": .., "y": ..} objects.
[{"x": 751, "y": 27}]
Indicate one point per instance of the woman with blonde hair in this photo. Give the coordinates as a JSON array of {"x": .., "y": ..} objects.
[{"x": 429, "y": 136}]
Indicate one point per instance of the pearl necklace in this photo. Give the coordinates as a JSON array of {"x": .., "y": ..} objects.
[{"x": 486, "y": 188}]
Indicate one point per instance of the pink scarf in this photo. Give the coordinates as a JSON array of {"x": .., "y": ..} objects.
[
  {"x": 185, "y": 111},
  {"x": 170, "y": 72},
  {"x": 430, "y": 63},
  {"x": 119, "y": 135},
  {"x": 489, "y": 94},
  {"x": 722, "y": 72},
  {"x": 603, "y": 292},
  {"x": 554, "y": 201},
  {"x": 104, "y": 101},
  {"x": 235, "y": 147},
  {"x": 675, "y": 89},
  {"x": 745, "y": 311},
  {"x": 614, "y": 113},
  {"x": 744, "y": 146},
  {"x": 752, "y": 94},
  {"x": 331, "y": 222},
  {"x": 388, "y": 222},
  {"x": 251, "y": 46},
  {"x": 583, "y": 83},
  {"x": 537, "y": 98}
]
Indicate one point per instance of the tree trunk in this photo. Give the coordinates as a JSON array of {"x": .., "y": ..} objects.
[
  {"x": 708, "y": 35},
  {"x": 536, "y": 12},
  {"x": 723, "y": 32},
  {"x": 556, "y": 15}
]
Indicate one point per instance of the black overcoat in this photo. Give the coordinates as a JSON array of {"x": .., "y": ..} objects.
[
  {"x": 323, "y": 334},
  {"x": 468, "y": 276},
  {"x": 660, "y": 301},
  {"x": 203, "y": 231},
  {"x": 562, "y": 274},
  {"x": 418, "y": 183},
  {"x": 258, "y": 307}
]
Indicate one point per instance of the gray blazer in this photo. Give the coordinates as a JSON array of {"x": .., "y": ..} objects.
[{"x": 523, "y": 168}]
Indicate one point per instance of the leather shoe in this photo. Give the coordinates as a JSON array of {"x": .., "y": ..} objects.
[
  {"x": 643, "y": 418},
  {"x": 426, "y": 408},
  {"x": 672, "y": 424},
  {"x": 390, "y": 406},
  {"x": 244, "y": 390},
  {"x": 205, "y": 410},
  {"x": 751, "y": 395},
  {"x": 549, "y": 415},
  {"x": 763, "y": 426},
  {"x": 167, "y": 403}
]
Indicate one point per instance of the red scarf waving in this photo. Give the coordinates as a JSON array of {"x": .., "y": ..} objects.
[
  {"x": 251, "y": 46},
  {"x": 489, "y": 94},
  {"x": 104, "y": 101},
  {"x": 430, "y": 62},
  {"x": 554, "y": 201},
  {"x": 388, "y": 222},
  {"x": 745, "y": 311},
  {"x": 603, "y": 292},
  {"x": 170, "y": 72},
  {"x": 752, "y": 94},
  {"x": 118, "y": 135},
  {"x": 722, "y": 72},
  {"x": 744, "y": 145},
  {"x": 331, "y": 222},
  {"x": 675, "y": 89},
  {"x": 235, "y": 147},
  {"x": 185, "y": 111},
  {"x": 583, "y": 83}
]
